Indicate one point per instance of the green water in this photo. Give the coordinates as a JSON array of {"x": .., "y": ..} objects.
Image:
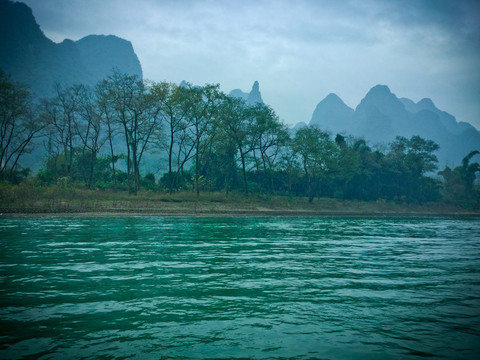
[{"x": 264, "y": 288}]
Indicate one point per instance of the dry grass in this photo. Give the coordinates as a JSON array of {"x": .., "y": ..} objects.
[{"x": 29, "y": 197}]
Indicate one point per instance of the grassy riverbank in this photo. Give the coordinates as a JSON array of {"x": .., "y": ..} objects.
[{"x": 26, "y": 199}]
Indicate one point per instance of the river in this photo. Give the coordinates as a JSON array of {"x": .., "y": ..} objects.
[{"x": 256, "y": 288}]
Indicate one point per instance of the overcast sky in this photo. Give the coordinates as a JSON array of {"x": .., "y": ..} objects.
[{"x": 299, "y": 51}]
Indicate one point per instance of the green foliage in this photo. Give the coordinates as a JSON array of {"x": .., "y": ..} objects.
[
  {"x": 318, "y": 156},
  {"x": 406, "y": 167},
  {"x": 207, "y": 141},
  {"x": 459, "y": 184},
  {"x": 149, "y": 183},
  {"x": 16, "y": 175}
]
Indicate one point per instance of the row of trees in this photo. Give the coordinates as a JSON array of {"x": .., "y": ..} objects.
[{"x": 202, "y": 139}]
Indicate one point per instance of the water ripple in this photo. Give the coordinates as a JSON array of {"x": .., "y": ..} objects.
[{"x": 262, "y": 288}]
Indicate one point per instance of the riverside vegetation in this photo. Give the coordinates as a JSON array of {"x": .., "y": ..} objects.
[{"x": 99, "y": 146}]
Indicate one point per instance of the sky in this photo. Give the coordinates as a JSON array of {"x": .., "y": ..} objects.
[{"x": 299, "y": 51}]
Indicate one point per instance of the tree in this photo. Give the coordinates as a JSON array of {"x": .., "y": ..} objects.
[
  {"x": 66, "y": 103},
  {"x": 202, "y": 104},
  {"x": 172, "y": 100},
  {"x": 349, "y": 163},
  {"x": 417, "y": 153},
  {"x": 133, "y": 108},
  {"x": 18, "y": 125},
  {"x": 221, "y": 167},
  {"x": 106, "y": 107},
  {"x": 268, "y": 135},
  {"x": 469, "y": 170},
  {"x": 365, "y": 183},
  {"x": 88, "y": 128},
  {"x": 407, "y": 164},
  {"x": 317, "y": 155},
  {"x": 234, "y": 127},
  {"x": 459, "y": 183},
  {"x": 289, "y": 165}
]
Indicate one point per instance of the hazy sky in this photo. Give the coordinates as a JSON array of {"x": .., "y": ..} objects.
[{"x": 299, "y": 51}]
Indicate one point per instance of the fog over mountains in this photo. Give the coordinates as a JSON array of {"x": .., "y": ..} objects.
[
  {"x": 381, "y": 116},
  {"x": 30, "y": 57}
]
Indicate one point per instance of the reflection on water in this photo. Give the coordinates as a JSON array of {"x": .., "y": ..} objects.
[{"x": 230, "y": 288}]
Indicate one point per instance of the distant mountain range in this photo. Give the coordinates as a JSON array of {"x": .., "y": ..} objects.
[
  {"x": 381, "y": 116},
  {"x": 30, "y": 57}
]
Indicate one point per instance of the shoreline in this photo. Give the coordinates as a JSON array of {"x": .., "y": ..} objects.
[
  {"x": 29, "y": 202},
  {"x": 232, "y": 213}
]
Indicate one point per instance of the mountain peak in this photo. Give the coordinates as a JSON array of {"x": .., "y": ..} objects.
[
  {"x": 384, "y": 101},
  {"x": 379, "y": 90},
  {"x": 426, "y": 103},
  {"x": 252, "y": 98},
  {"x": 101, "y": 53},
  {"x": 30, "y": 57},
  {"x": 19, "y": 31},
  {"x": 332, "y": 114},
  {"x": 333, "y": 99},
  {"x": 255, "y": 96}
]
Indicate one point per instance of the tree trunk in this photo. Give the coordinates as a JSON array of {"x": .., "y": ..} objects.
[
  {"x": 135, "y": 171},
  {"x": 197, "y": 172},
  {"x": 170, "y": 155},
  {"x": 242, "y": 155}
]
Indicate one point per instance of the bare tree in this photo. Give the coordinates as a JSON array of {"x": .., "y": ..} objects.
[
  {"x": 133, "y": 108},
  {"x": 88, "y": 128},
  {"x": 18, "y": 124},
  {"x": 67, "y": 102},
  {"x": 172, "y": 100}
]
